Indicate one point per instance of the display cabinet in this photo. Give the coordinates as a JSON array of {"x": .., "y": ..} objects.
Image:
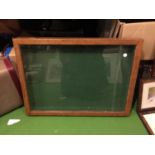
[{"x": 78, "y": 76}]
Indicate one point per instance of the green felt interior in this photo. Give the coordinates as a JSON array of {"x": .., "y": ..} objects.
[
  {"x": 77, "y": 77},
  {"x": 51, "y": 125}
]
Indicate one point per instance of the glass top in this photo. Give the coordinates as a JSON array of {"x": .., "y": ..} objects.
[{"x": 79, "y": 77}]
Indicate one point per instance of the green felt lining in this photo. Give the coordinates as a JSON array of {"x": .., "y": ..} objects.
[{"x": 78, "y": 77}]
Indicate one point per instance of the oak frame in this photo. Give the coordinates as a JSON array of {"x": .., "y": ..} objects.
[
  {"x": 78, "y": 41},
  {"x": 141, "y": 112}
]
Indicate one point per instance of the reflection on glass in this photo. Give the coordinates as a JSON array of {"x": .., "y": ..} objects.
[{"x": 77, "y": 77}]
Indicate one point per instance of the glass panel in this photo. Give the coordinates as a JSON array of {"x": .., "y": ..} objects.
[{"x": 77, "y": 77}]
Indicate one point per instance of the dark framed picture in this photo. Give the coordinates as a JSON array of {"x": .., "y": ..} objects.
[
  {"x": 148, "y": 95},
  {"x": 78, "y": 76},
  {"x": 146, "y": 106}
]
